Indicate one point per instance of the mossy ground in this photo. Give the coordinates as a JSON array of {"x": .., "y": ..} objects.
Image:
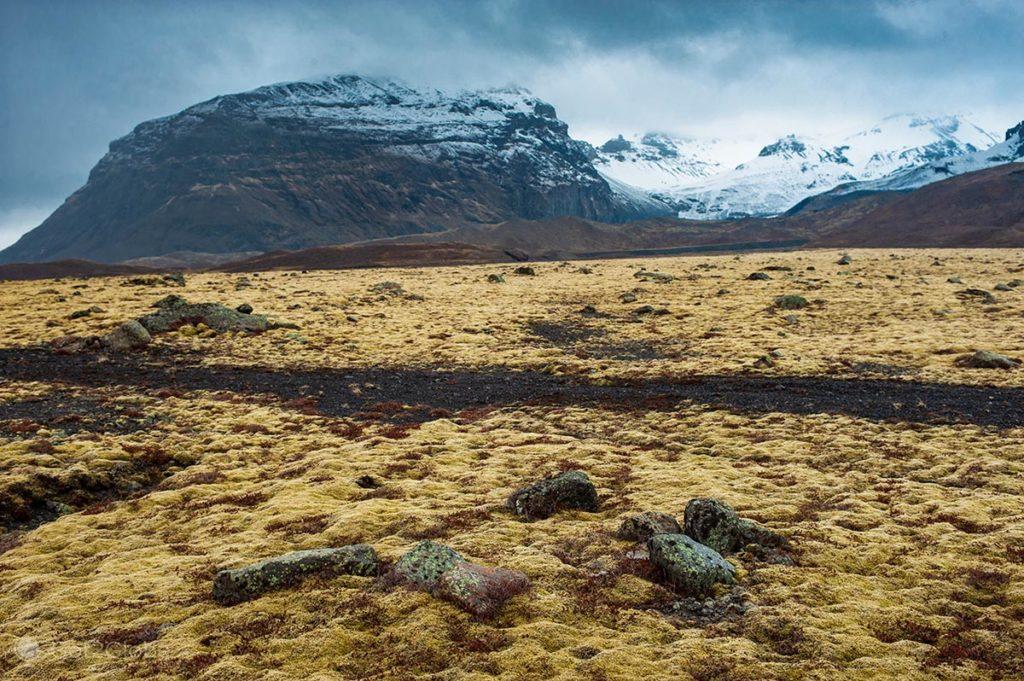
[{"x": 909, "y": 537}]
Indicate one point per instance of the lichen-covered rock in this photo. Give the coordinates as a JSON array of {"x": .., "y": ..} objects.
[
  {"x": 984, "y": 359},
  {"x": 688, "y": 565},
  {"x": 243, "y": 584},
  {"x": 716, "y": 524},
  {"x": 791, "y": 302},
  {"x": 478, "y": 589},
  {"x": 129, "y": 336},
  {"x": 423, "y": 564},
  {"x": 642, "y": 526},
  {"x": 175, "y": 312},
  {"x": 570, "y": 490}
]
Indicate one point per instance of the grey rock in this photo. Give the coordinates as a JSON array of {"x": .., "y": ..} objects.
[
  {"x": 984, "y": 359},
  {"x": 656, "y": 277},
  {"x": 524, "y": 271},
  {"x": 688, "y": 565},
  {"x": 570, "y": 490},
  {"x": 758, "y": 276},
  {"x": 423, "y": 565},
  {"x": 478, "y": 589},
  {"x": 174, "y": 312},
  {"x": 716, "y": 524},
  {"x": 244, "y": 308},
  {"x": 845, "y": 260},
  {"x": 243, "y": 584},
  {"x": 981, "y": 294},
  {"x": 642, "y": 526},
  {"x": 790, "y": 302},
  {"x": 129, "y": 336}
]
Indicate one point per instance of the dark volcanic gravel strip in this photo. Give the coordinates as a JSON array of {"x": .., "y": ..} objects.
[{"x": 344, "y": 392}]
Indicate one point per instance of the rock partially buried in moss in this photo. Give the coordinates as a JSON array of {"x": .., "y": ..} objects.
[
  {"x": 129, "y": 336},
  {"x": 688, "y": 565},
  {"x": 791, "y": 302},
  {"x": 478, "y": 589},
  {"x": 656, "y": 277},
  {"x": 495, "y": 279},
  {"x": 984, "y": 359},
  {"x": 423, "y": 565},
  {"x": 844, "y": 260},
  {"x": 524, "y": 271},
  {"x": 175, "y": 312},
  {"x": 758, "y": 276},
  {"x": 236, "y": 586},
  {"x": 570, "y": 490},
  {"x": 716, "y": 524},
  {"x": 642, "y": 526}
]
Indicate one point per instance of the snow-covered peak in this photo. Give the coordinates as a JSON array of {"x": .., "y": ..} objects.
[{"x": 775, "y": 175}]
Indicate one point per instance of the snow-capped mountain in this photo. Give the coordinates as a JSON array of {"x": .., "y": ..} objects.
[
  {"x": 657, "y": 161},
  {"x": 794, "y": 167},
  {"x": 329, "y": 161},
  {"x": 1010, "y": 150}
]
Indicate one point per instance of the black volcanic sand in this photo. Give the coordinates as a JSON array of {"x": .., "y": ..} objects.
[
  {"x": 68, "y": 412},
  {"x": 331, "y": 391}
]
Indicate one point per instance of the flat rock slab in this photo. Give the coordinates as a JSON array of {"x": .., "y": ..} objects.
[
  {"x": 571, "y": 490},
  {"x": 688, "y": 565},
  {"x": 235, "y": 586}
]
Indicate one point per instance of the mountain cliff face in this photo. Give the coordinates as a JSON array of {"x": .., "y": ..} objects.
[
  {"x": 333, "y": 161},
  {"x": 784, "y": 172}
]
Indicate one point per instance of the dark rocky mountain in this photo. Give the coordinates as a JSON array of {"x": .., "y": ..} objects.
[{"x": 333, "y": 161}]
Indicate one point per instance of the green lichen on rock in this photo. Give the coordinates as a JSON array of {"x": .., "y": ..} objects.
[
  {"x": 243, "y": 584},
  {"x": 715, "y": 524},
  {"x": 688, "y": 565},
  {"x": 423, "y": 564},
  {"x": 642, "y": 526},
  {"x": 478, "y": 589},
  {"x": 570, "y": 490},
  {"x": 790, "y": 302},
  {"x": 174, "y": 312}
]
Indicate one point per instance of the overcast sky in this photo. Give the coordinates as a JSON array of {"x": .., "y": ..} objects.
[{"x": 76, "y": 74}]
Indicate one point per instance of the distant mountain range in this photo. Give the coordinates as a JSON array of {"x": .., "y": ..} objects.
[
  {"x": 695, "y": 177},
  {"x": 350, "y": 159}
]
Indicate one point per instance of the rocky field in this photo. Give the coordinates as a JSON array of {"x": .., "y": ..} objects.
[{"x": 770, "y": 466}]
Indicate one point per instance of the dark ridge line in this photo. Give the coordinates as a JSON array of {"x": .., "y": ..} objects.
[{"x": 331, "y": 389}]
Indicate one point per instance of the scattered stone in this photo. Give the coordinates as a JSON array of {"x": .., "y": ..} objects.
[
  {"x": 570, "y": 490},
  {"x": 764, "y": 362},
  {"x": 478, "y": 589},
  {"x": 444, "y": 573},
  {"x": 702, "y": 612},
  {"x": 174, "y": 279},
  {"x": 368, "y": 482},
  {"x": 244, "y": 308},
  {"x": 791, "y": 302},
  {"x": 423, "y": 565},
  {"x": 984, "y": 359},
  {"x": 585, "y": 270},
  {"x": 1003, "y": 287},
  {"x": 716, "y": 524},
  {"x": 778, "y": 268},
  {"x": 78, "y": 314},
  {"x": 524, "y": 271},
  {"x": 688, "y": 565},
  {"x": 657, "y": 277},
  {"x": 129, "y": 336},
  {"x": 845, "y": 260},
  {"x": 650, "y": 310},
  {"x": 954, "y": 280},
  {"x": 642, "y": 526},
  {"x": 978, "y": 293},
  {"x": 236, "y": 586},
  {"x": 758, "y": 276},
  {"x": 791, "y": 319},
  {"x": 495, "y": 279},
  {"x": 1015, "y": 283},
  {"x": 628, "y": 297}
]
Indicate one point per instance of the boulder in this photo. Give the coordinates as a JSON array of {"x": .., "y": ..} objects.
[
  {"x": 642, "y": 526},
  {"x": 445, "y": 574},
  {"x": 478, "y": 589},
  {"x": 688, "y": 565},
  {"x": 758, "y": 276},
  {"x": 844, "y": 260},
  {"x": 235, "y": 586},
  {"x": 495, "y": 279},
  {"x": 716, "y": 524},
  {"x": 791, "y": 302},
  {"x": 570, "y": 490},
  {"x": 423, "y": 565},
  {"x": 244, "y": 308},
  {"x": 984, "y": 359},
  {"x": 129, "y": 336},
  {"x": 524, "y": 271},
  {"x": 976, "y": 293}
]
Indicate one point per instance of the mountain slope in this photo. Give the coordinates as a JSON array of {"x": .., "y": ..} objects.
[{"x": 333, "y": 161}]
